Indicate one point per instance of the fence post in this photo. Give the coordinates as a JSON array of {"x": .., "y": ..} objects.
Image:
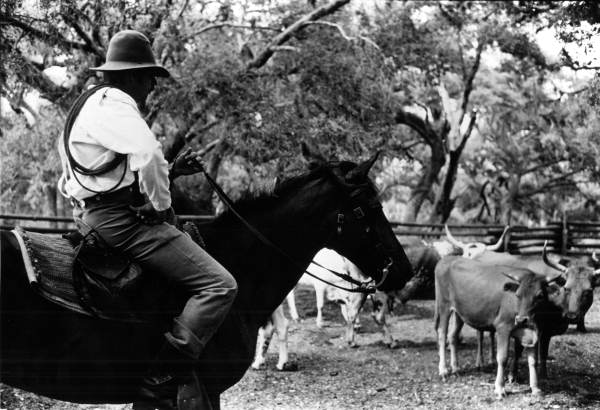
[
  {"x": 564, "y": 243},
  {"x": 507, "y": 239}
]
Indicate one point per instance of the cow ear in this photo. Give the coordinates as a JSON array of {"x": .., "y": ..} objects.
[
  {"x": 511, "y": 287},
  {"x": 553, "y": 288}
]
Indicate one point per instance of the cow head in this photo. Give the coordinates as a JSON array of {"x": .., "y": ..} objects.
[
  {"x": 383, "y": 305},
  {"x": 473, "y": 249},
  {"x": 579, "y": 280},
  {"x": 532, "y": 292}
]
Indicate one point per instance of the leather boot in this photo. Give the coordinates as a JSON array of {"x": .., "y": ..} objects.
[{"x": 171, "y": 374}]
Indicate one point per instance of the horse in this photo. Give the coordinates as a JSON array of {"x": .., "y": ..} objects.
[{"x": 52, "y": 351}]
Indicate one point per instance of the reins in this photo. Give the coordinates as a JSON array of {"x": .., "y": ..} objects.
[{"x": 363, "y": 287}]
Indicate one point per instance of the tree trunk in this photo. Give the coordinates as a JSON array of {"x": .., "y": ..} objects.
[
  {"x": 425, "y": 185},
  {"x": 508, "y": 202},
  {"x": 443, "y": 204}
]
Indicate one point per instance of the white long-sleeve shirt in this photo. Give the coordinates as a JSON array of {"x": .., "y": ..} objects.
[{"x": 111, "y": 122}]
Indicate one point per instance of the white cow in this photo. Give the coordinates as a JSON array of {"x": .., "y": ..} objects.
[
  {"x": 280, "y": 324},
  {"x": 350, "y": 304}
]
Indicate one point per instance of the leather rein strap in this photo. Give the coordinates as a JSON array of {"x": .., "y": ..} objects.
[{"x": 363, "y": 287}]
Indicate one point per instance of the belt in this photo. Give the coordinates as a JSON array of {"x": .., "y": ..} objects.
[{"x": 126, "y": 195}]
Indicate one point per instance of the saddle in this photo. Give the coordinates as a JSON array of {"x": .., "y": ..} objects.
[{"x": 81, "y": 272}]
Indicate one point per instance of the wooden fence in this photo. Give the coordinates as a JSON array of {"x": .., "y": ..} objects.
[{"x": 570, "y": 238}]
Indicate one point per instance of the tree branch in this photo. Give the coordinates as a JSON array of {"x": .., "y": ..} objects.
[
  {"x": 83, "y": 35},
  {"x": 342, "y": 32},
  {"x": 540, "y": 166},
  {"x": 418, "y": 124},
  {"x": 264, "y": 56},
  {"x": 470, "y": 79},
  {"x": 467, "y": 133},
  {"x": 41, "y": 35},
  {"x": 551, "y": 184},
  {"x": 231, "y": 25},
  {"x": 575, "y": 65}
]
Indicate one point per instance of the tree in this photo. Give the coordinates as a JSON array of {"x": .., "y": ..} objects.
[{"x": 218, "y": 91}]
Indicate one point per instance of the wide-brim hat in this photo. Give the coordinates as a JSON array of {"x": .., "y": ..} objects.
[{"x": 131, "y": 50}]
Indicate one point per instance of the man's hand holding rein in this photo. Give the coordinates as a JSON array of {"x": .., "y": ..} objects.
[{"x": 187, "y": 162}]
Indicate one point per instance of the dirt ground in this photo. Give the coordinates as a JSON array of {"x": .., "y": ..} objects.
[{"x": 333, "y": 376}]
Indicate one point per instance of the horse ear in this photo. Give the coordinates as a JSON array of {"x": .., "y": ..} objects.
[
  {"x": 362, "y": 169},
  {"x": 313, "y": 157}
]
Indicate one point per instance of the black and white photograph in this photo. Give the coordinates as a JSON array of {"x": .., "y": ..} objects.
[{"x": 299, "y": 205}]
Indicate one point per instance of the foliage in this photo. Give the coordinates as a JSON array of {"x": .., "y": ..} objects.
[
  {"x": 406, "y": 78},
  {"x": 30, "y": 163}
]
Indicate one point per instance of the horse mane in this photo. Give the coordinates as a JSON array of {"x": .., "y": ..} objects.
[{"x": 260, "y": 199}]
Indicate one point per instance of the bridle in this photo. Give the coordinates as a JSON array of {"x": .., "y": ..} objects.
[
  {"x": 360, "y": 213},
  {"x": 366, "y": 287}
]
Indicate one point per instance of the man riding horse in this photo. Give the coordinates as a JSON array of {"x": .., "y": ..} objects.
[{"x": 118, "y": 181}]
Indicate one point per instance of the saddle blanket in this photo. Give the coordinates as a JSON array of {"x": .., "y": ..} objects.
[{"x": 48, "y": 260}]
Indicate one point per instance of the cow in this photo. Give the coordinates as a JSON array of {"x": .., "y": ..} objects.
[
  {"x": 487, "y": 297},
  {"x": 423, "y": 258},
  {"x": 580, "y": 281},
  {"x": 326, "y": 260},
  {"x": 350, "y": 306},
  {"x": 280, "y": 324},
  {"x": 570, "y": 305},
  {"x": 486, "y": 254}
]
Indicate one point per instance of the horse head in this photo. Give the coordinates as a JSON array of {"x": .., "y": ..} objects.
[{"x": 361, "y": 232}]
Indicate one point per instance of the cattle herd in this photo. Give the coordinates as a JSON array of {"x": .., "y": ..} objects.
[{"x": 524, "y": 298}]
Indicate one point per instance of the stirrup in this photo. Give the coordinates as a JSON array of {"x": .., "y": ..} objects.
[{"x": 191, "y": 394}]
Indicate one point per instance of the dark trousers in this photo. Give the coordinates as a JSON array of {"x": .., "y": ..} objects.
[{"x": 164, "y": 250}]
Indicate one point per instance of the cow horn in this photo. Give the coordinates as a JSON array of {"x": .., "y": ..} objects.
[
  {"x": 500, "y": 242},
  {"x": 548, "y": 262},
  {"x": 595, "y": 257},
  {"x": 452, "y": 239},
  {"x": 512, "y": 277}
]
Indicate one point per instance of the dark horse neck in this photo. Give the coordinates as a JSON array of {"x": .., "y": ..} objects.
[{"x": 265, "y": 275}]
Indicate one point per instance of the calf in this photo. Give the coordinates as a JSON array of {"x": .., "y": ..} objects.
[{"x": 499, "y": 298}]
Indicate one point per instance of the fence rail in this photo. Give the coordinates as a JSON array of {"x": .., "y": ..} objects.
[{"x": 565, "y": 237}]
